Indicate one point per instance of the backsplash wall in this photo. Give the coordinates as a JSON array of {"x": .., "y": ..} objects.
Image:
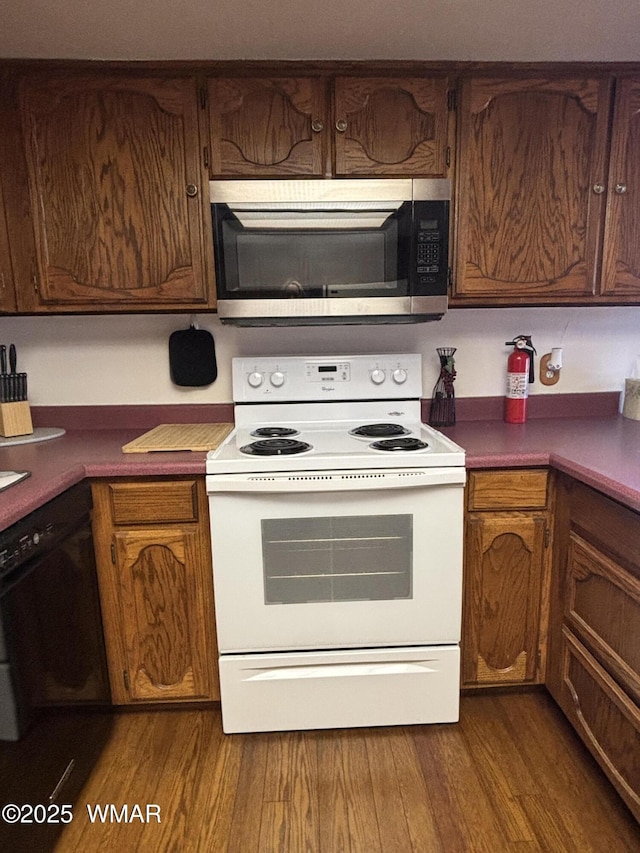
[{"x": 109, "y": 360}]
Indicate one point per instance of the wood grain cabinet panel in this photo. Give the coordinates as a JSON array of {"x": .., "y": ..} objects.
[
  {"x": 286, "y": 127},
  {"x": 602, "y": 606},
  {"x": 506, "y": 576},
  {"x": 621, "y": 269},
  {"x": 594, "y": 641},
  {"x": 391, "y": 126},
  {"x": 156, "y": 589},
  {"x": 506, "y": 568},
  {"x": 118, "y": 191},
  {"x": 507, "y": 489},
  {"x": 262, "y": 127},
  {"x": 7, "y": 290},
  {"x": 159, "y": 609},
  {"x": 531, "y": 188},
  {"x": 170, "y": 501},
  {"x": 605, "y": 717}
]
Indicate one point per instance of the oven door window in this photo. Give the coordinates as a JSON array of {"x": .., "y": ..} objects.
[
  {"x": 313, "y": 252},
  {"x": 331, "y": 559}
]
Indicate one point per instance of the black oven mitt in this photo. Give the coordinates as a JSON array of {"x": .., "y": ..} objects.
[{"x": 192, "y": 357}]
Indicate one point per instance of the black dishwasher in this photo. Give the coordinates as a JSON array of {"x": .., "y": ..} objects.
[{"x": 54, "y": 688}]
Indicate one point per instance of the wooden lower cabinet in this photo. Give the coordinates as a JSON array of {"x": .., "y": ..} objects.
[
  {"x": 594, "y": 658},
  {"x": 604, "y": 715},
  {"x": 154, "y": 568},
  {"x": 506, "y": 570}
]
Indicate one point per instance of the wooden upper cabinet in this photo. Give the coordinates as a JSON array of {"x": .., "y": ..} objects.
[
  {"x": 118, "y": 191},
  {"x": 285, "y": 127},
  {"x": 621, "y": 268},
  {"x": 262, "y": 127},
  {"x": 7, "y": 291},
  {"x": 530, "y": 195},
  {"x": 391, "y": 126}
]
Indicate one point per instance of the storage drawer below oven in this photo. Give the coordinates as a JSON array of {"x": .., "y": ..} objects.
[{"x": 336, "y": 689}]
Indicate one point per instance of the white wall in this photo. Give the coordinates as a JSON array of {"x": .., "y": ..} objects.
[
  {"x": 546, "y": 30},
  {"x": 124, "y": 359}
]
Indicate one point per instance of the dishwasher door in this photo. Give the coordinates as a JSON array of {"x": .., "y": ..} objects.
[
  {"x": 54, "y": 687},
  {"x": 50, "y": 611}
]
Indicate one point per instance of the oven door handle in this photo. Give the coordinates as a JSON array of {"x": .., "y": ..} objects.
[{"x": 337, "y": 481}]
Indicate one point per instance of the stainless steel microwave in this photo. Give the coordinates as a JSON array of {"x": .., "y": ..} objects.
[{"x": 324, "y": 252}]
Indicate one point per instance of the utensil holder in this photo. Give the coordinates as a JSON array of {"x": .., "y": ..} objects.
[
  {"x": 15, "y": 419},
  {"x": 443, "y": 399}
]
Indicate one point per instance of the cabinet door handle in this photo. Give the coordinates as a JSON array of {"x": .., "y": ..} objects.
[
  {"x": 598, "y": 189},
  {"x": 317, "y": 126},
  {"x": 192, "y": 190},
  {"x": 620, "y": 189},
  {"x": 341, "y": 125}
]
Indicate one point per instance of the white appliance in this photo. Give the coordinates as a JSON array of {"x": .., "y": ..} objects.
[{"x": 336, "y": 526}]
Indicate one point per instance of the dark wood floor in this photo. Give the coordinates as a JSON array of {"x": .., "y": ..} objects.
[{"x": 511, "y": 776}]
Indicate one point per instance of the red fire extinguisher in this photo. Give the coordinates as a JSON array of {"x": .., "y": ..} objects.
[{"x": 520, "y": 373}]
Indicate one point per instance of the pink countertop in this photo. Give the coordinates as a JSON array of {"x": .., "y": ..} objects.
[{"x": 602, "y": 452}]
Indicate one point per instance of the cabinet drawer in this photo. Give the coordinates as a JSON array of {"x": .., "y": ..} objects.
[
  {"x": 603, "y": 608},
  {"x": 512, "y": 489},
  {"x": 611, "y": 527},
  {"x": 172, "y": 501},
  {"x": 605, "y": 717}
]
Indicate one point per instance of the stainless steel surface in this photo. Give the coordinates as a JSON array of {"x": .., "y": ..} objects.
[
  {"x": 621, "y": 189},
  {"x": 598, "y": 189},
  {"x": 38, "y": 434},
  {"x": 404, "y": 308},
  {"x": 301, "y": 192}
]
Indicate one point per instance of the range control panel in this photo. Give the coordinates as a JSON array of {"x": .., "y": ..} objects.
[{"x": 314, "y": 378}]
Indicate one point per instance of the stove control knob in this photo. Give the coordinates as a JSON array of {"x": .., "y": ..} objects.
[
  {"x": 399, "y": 375},
  {"x": 378, "y": 376},
  {"x": 255, "y": 379},
  {"x": 277, "y": 379}
]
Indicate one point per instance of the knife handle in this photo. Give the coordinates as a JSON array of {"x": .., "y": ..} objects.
[
  {"x": 13, "y": 359},
  {"x": 3, "y": 358}
]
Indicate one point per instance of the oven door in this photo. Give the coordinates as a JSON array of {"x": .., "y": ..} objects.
[{"x": 337, "y": 559}]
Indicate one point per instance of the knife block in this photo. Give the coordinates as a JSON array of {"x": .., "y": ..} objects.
[{"x": 15, "y": 419}]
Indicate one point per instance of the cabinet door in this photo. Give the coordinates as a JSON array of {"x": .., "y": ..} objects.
[
  {"x": 602, "y": 607},
  {"x": 118, "y": 191},
  {"x": 621, "y": 269},
  {"x": 162, "y": 614},
  {"x": 504, "y": 566},
  {"x": 605, "y": 717},
  {"x": 267, "y": 127},
  {"x": 531, "y": 189},
  {"x": 153, "y": 554},
  {"x": 7, "y": 292},
  {"x": 387, "y": 126}
]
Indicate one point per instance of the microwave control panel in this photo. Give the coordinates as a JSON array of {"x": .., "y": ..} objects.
[{"x": 431, "y": 228}]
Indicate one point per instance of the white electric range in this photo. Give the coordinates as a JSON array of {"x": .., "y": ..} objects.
[{"x": 336, "y": 524}]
